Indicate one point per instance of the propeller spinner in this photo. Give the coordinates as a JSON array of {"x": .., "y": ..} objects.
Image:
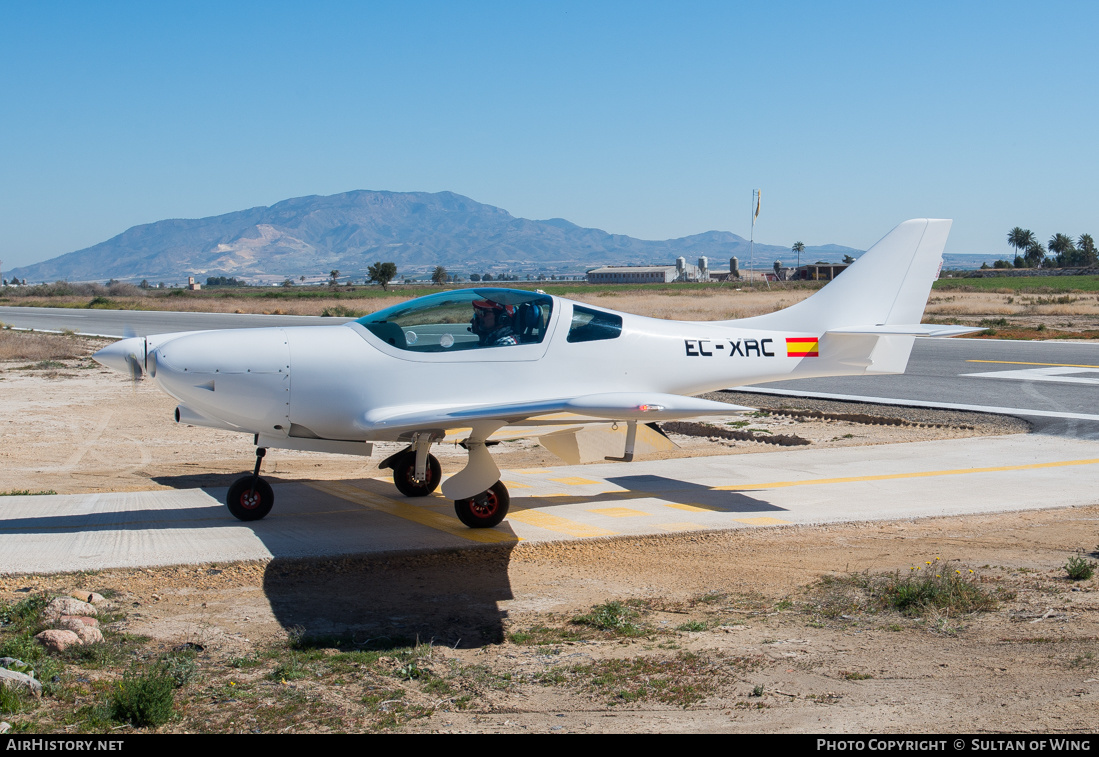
[{"x": 125, "y": 355}]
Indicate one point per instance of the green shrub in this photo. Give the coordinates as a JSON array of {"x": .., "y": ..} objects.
[
  {"x": 13, "y": 701},
  {"x": 1079, "y": 569},
  {"x": 143, "y": 698},
  {"x": 26, "y": 613},
  {"x": 935, "y": 587},
  {"x": 339, "y": 311},
  {"x": 615, "y": 617}
]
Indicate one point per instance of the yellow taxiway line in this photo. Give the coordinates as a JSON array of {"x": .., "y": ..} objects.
[
  {"x": 1019, "y": 362},
  {"x": 421, "y": 515},
  {"x": 917, "y": 474}
]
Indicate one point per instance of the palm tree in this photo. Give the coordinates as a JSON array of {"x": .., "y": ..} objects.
[
  {"x": 1086, "y": 245},
  {"x": 1021, "y": 239},
  {"x": 1035, "y": 254},
  {"x": 798, "y": 247},
  {"x": 1061, "y": 245}
]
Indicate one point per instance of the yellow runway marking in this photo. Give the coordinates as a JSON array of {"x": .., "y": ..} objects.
[
  {"x": 515, "y": 485},
  {"x": 764, "y": 521},
  {"x": 689, "y": 508},
  {"x": 420, "y": 515},
  {"x": 919, "y": 474},
  {"x": 574, "y": 481},
  {"x": 564, "y": 498},
  {"x": 618, "y": 512},
  {"x": 559, "y": 524},
  {"x": 1018, "y": 362}
]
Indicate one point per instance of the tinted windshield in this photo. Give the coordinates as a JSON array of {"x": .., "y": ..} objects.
[
  {"x": 593, "y": 325},
  {"x": 463, "y": 319}
]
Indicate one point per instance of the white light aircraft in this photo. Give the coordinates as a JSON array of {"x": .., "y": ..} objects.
[{"x": 479, "y": 364}]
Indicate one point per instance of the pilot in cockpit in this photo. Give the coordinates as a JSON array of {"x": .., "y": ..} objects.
[{"x": 492, "y": 323}]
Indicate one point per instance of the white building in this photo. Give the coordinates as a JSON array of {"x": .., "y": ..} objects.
[{"x": 632, "y": 274}]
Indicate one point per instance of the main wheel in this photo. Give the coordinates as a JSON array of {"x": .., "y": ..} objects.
[
  {"x": 248, "y": 501},
  {"x": 486, "y": 509},
  {"x": 404, "y": 470}
]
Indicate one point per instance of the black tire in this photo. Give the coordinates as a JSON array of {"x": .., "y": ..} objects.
[
  {"x": 248, "y": 502},
  {"x": 485, "y": 510},
  {"x": 404, "y": 469}
]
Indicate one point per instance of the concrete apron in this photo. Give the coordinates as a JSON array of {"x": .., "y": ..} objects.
[{"x": 59, "y": 533}]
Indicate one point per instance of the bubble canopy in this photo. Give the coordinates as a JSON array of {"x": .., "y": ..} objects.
[{"x": 442, "y": 322}]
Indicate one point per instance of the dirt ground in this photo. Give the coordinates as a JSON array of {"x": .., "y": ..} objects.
[{"x": 738, "y": 630}]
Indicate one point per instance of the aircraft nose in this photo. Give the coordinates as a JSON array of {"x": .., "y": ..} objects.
[
  {"x": 240, "y": 377},
  {"x": 123, "y": 355}
]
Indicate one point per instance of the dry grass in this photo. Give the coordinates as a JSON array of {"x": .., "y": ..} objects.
[
  {"x": 227, "y": 304},
  {"x": 707, "y": 305},
  {"x": 714, "y": 305},
  {"x": 24, "y": 345},
  {"x": 695, "y": 304},
  {"x": 1001, "y": 303}
]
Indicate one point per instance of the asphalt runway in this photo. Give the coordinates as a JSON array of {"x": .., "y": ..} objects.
[
  {"x": 120, "y": 323},
  {"x": 1051, "y": 384},
  {"x": 1054, "y": 385}
]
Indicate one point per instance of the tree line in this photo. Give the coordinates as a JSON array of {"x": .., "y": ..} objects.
[{"x": 1060, "y": 252}]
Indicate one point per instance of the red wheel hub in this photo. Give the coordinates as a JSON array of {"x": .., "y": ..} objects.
[{"x": 484, "y": 506}]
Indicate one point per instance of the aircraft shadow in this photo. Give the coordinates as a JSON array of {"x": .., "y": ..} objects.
[
  {"x": 127, "y": 520},
  {"x": 213, "y": 480},
  {"x": 381, "y": 583},
  {"x": 686, "y": 493},
  {"x": 446, "y": 597}
]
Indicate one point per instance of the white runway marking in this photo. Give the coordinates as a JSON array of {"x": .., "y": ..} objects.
[
  {"x": 1059, "y": 374},
  {"x": 1019, "y": 411}
]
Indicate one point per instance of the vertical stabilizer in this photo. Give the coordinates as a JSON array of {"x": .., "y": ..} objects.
[{"x": 887, "y": 286}]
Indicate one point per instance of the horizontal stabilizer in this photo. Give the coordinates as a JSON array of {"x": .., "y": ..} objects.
[{"x": 918, "y": 329}]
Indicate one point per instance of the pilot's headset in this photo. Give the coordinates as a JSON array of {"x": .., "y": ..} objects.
[{"x": 503, "y": 313}]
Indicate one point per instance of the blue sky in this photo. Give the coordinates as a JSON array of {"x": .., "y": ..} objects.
[{"x": 650, "y": 119}]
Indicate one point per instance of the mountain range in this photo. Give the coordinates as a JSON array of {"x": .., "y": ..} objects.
[{"x": 310, "y": 236}]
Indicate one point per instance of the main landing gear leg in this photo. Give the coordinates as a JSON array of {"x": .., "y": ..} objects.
[
  {"x": 488, "y": 507},
  {"x": 250, "y": 497}
]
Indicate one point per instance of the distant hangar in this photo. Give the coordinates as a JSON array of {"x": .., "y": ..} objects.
[{"x": 659, "y": 274}]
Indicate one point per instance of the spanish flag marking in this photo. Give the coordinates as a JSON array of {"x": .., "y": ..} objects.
[{"x": 802, "y": 346}]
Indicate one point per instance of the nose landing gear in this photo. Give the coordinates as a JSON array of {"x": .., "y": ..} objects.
[
  {"x": 250, "y": 497},
  {"x": 416, "y": 472}
]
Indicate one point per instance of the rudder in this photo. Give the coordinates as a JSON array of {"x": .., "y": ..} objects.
[{"x": 888, "y": 285}]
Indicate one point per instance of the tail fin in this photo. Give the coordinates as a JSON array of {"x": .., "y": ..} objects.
[{"x": 887, "y": 286}]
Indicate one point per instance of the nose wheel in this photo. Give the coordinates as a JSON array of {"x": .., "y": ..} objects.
[
  {"x": 250, "y": 497},
  {"x": 404, "y": 475},
  {"x": 486, "y": 509}
]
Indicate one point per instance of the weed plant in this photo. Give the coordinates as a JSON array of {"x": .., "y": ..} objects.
[
  {"x": 143, "y": 698},
  {"x": 932, "y": 587},
  {"x": 339, "y": 311},
  {"x": 935, "y": 587},
  {"x": 1079, "y": 569},
  {"x": 612, "y": 617}
]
